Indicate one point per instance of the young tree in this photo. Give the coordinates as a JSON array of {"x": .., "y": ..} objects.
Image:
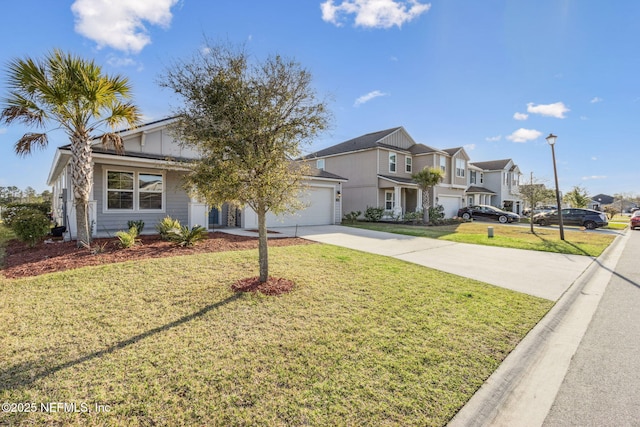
[
  {"x": 248, "y": 121},
  {"x": 577, "y": 197},
  {"x": 533, "y": 193},
  {"x": 76, "y": 96},
  {"x": 426, "y": 179}
]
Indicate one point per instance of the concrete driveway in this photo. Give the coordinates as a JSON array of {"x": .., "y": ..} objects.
[{"x": 542, "y": 274}]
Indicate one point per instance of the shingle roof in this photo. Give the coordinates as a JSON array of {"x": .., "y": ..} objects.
[
  {"x": 398, "y": 179},
  {"x": 452, "y": 151},
  {"x": 363, "y": 142},
  {"x": 492, "y": 165},
  {"x": 423, "y": 149},
  {"x": 474, "y": 189}
]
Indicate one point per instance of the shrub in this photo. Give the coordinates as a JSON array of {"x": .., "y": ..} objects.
[
  {"x": 167, "y": 224},
  {"x": 436, "y": 214},
  {"x": 138, "y": 224},
  {"x": 373, "y": 214},
  {"x": 12, "y": 209},
  {"x": 413, "y": 217},
  {"x": 185, "y": 237},
  {"x": 30, "y": 226},
  {"x": 352, "y": 216},
  {"x": 129, "y": 238}
]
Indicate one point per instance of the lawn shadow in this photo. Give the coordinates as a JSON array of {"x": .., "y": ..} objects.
[{"x": 27, "y": 373}]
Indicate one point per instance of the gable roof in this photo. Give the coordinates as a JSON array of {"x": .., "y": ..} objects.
[
  {"x": 423, "y": 149},
  {"x": 603, "y": 198},
  {"x": 363, "y": 142},
  {"x": 492, "y": 165}
]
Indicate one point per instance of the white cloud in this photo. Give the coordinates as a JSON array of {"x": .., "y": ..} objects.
[
  {"x": 556, "y": 110},
  {"x": 493, "y": 138},
  {"x": 592, "y": 177},
  {"x": 594, "y": 158},
  {"x": 368, "y": 97},
  {"x": 373, "y": 13},
  {"x": 596, "y": 100},
  {"x": 520, "y": 116},
  {"x": 470, "y": 147},
  {"x": 119, "y": 24},
  {"x": 524, "y": 135},
  {"x": 3, "y": 131}
]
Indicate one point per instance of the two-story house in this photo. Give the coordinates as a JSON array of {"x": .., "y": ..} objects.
[
  {"x": 495, "y": 183},
  {"x": 379, "y": 166}
]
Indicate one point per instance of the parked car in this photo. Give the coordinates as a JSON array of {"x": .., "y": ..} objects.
[
  {"x": 635, "y": 220},
  {"x": 538, "y": 209},
  {"x": 587, "y": 218},
  {"x": 488, "y": 212}
]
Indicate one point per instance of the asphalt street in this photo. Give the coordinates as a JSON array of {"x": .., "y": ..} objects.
[{"x": 602, "y": 386}]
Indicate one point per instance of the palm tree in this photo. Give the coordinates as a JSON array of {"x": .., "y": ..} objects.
[
  {"x": 74, "y": 94},
  {"x": 426, "y": 179}
]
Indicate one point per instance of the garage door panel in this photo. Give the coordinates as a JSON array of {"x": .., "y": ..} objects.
[
  {"x": 318, "y": 210},
  {"x": 450, "y": 205}
]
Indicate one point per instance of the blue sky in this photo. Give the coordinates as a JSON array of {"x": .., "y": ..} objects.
[{"x": 493, "y": 76}]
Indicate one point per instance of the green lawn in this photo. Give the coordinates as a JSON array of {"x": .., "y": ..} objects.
[
  {"x": 577, "y": 242},
  {"x": 362, "y": 340}
]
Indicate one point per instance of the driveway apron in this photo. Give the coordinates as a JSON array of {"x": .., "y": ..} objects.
[{"x": 542, "y": 274}]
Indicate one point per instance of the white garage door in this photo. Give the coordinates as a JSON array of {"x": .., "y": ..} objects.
[
  {"x": 318, "y": 210},
  {"x": 450, "y": 205}
]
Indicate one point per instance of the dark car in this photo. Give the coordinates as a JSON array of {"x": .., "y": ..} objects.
[
  {"x": 587, "y": 218},
  {"x": 635, "y": 220},
  {"x": 487, "y": 212}
]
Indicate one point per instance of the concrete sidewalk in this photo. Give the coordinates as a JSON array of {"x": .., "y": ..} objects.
[{"x": 542, "y": 274}]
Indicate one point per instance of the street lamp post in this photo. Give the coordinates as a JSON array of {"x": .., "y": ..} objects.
[{"x": 551, "y": 140}]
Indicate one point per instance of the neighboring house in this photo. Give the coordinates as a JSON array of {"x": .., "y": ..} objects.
[
  {"x": 379, "y": 165},
  {"x": 146, "y": 183},
  {"x": 598, "y": 201},
  {"x": 495, "y": 183}
]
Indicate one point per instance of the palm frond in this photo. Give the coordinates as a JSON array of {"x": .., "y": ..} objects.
[
  {"x": 29, "y": 142},
  {"x": 114, "y": 140}
]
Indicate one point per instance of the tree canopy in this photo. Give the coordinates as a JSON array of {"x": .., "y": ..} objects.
[{"x": 248, "y": 120}]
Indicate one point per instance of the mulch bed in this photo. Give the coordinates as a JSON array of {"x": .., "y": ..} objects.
[
  {"x": 273, "y": 285},
  {"x": 22, "y": 261}
]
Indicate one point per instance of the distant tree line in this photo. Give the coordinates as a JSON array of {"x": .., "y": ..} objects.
[{"x": 13, "y": 194}]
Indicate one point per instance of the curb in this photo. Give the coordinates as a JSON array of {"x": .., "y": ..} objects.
[{"x": 523, "y": 388}]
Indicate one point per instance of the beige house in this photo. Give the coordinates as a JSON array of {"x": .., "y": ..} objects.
[{"x": 379, "y": 165}]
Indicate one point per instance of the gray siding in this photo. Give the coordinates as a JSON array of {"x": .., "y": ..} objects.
[{"x": 176, "y": 202}]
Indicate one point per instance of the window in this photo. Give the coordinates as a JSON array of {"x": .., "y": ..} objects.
[
  {"x": 134, "y": 191},
  {"x": 443, "y": 163},
  {"x": 320, "y": 164},
  {"x": 392, "y": 162},
  {"x": 149, "y": 191},
  {"x": 505, "y": 177},
  {"x": 389, "y": 200},
  {"x": 460, "y": 167},
  {"x": 407, "y": 164},
  {"x": 472, "y": 177},
  {"x": 120, "y": 190}
]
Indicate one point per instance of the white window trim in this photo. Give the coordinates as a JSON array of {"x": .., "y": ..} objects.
[
  {"x": 395, "y": 162},
  {"x": 136, "y": 191},
  {"x": 408, "y": 164},
  {"x": 393, "y": 200},
  {"x": 464, "y": 165},
  {"x": 443, "y": 164},
  {"x": 320, "y": 164}
]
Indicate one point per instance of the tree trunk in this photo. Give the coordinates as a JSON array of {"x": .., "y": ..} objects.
[
  {"x": 425, "y": 206},
  {"x": 81, "y": 179},
  {"x": 263, "y": 248}
]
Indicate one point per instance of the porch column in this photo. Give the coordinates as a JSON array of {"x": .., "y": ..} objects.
[
  {"x": 397, "y": 194},
  {"x": 419, "y": 202}
]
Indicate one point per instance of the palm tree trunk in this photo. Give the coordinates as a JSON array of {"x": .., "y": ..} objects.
[
  {"x": 425, "y": 206},
  {"x": 263, "y": 248},
  {"x": 81, "y": 179}
]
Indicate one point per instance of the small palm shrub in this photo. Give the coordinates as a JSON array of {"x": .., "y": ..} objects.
[
  {"x": 166, "y": 225},
  {"x": 139, "y": 225},
  {"x": 30, "y": 226},
  {"x": 184, "y": 236},
  {"x": 129, "y": 238}
]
